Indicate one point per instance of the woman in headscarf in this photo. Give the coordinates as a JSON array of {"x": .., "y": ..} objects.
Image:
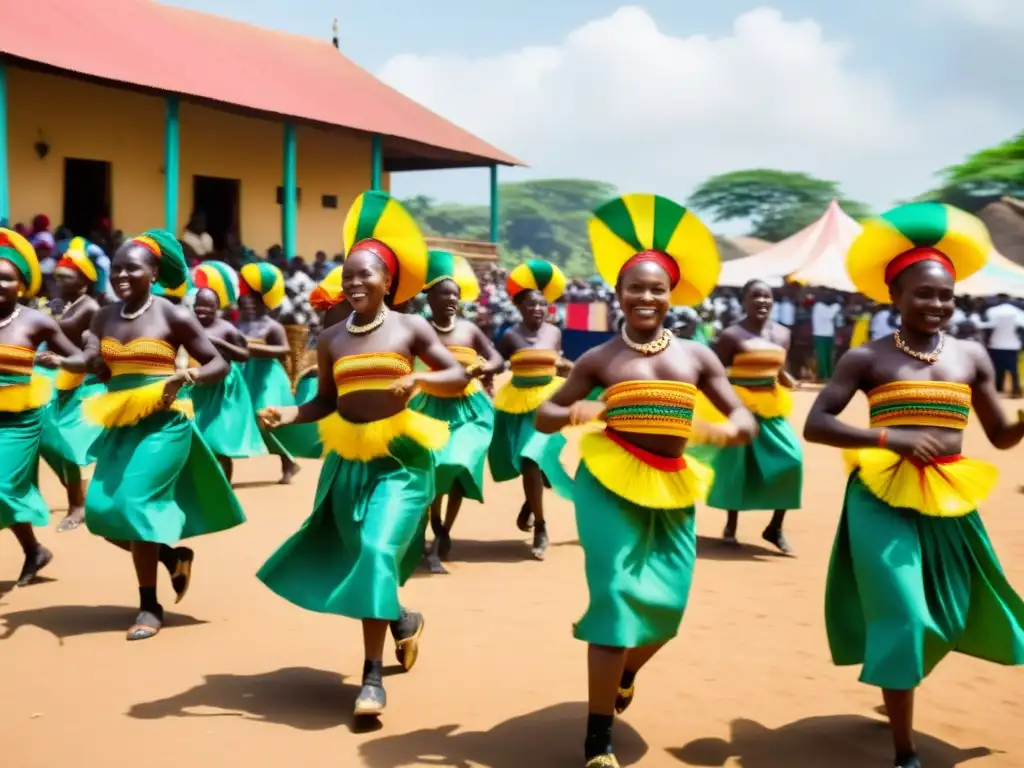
[
  {"x": 156, "y": 482},
  {"x": 224, "y": 413},
  {"x": 913, "y": 574},
  {"x": 365, "y": 536},
  {"x": 635, "y": 491},
  {"x": 533, "y": 348},
  {"x": 262, "y": 291},
  {"x": 23, "y": 398},
  {"x": 470, "y": 415}
]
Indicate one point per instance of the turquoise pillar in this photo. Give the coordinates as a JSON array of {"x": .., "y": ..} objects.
[
  {"x": 377, "y": 162},
  {"x": 5, "y": 189},
  {"x": 172, "y": 157},
  {"x": 495, "y": 220},
  {"x": 289, "y": 198}
]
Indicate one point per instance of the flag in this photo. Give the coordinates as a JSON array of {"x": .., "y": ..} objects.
[{"x": 592, "y": 316}]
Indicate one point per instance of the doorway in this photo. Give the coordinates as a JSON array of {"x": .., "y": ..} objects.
[
  {"x": 86, "y": 195},
  {"x": 218, "y": 199}
]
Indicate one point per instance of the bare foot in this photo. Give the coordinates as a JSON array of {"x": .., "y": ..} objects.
[
  {"x": 75, "y": 517},
  {"x": 289, "y": 473}
]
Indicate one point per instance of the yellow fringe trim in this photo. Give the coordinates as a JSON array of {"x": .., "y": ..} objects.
[
  {"x": 365, "y": 442},
  {"x": 17, "y": 398},
  {"x": 768, "y": 404},
  {"x": 937, "y": 490},
  {"x": 130, "y": 406},
  {"x": 511, "y": 399},
  {"x": 626, "y": 476},
  {"x": 67, "y": 381}
]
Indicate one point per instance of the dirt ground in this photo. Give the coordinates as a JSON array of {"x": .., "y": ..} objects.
[{"x": 241, "y": 676}]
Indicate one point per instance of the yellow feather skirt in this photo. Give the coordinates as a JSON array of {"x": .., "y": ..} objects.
[{"x": 366, "y": 442}]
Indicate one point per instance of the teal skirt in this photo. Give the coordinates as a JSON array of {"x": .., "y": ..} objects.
[
  {"x": 364, "y": 538},
  {"x": 470, "y": 424},
  {"x": 69, "y": 441},
  {"x": 302, "y": 440},
  {"x": 766, "y": 474},
  {"x": 516, "y": 438},
  {"x": 639, "y": 566},
  {"x": 20, "y": 499},
  {"x": 269, "y": 386},
  {"x": 225, "y": 417},
  {"x": 905, "y": 589}
]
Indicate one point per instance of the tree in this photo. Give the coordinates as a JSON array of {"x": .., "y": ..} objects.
[
  {"x": 984, "y": 176},
  {"x": 776, "y": 203}
]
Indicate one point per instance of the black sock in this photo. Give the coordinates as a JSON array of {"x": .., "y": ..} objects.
[
  {"x": 147, "y": 600},
  {"x": 373, "y": 673},
  {"x": 540, "y": 526},
  {"x": 599, "y": 736},
  {"x": 167, "y": 558},
  {"x": 627, "y": 679},
  {"x": 903, "y": 758}
]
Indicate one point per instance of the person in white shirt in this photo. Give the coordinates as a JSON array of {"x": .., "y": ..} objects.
[
  {"x": 823, "y": 327},
  {"x": 883, "y": 324},
  {"x": 784, "y": 312},
  {"x": 1004, "y": 321}
]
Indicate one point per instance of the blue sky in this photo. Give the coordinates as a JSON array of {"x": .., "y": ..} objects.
[{"x": 657, "y": 95}]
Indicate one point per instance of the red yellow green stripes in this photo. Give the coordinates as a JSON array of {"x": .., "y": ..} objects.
[
  {"x": 651, "y": 407},
  {"x": 920, "y": 404}
]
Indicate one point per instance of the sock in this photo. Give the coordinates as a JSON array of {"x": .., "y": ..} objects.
[
  {"x": 599, "y": 736},
  {"x": 540, "y": 526},
  {"x": 627, "y": 679},
  {"x": 167, "y": 557},
  {"x": 147, "y": 600},
  {"x": 373, "y": 673},
  {"x": 904, "y": 758}
]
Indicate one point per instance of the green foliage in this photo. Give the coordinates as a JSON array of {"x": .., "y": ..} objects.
[
  {"x": 776, "y": 203},
  {"x": 984, "y": 176}
]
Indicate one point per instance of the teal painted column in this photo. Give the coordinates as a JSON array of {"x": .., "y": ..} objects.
[
  {"x": 495, "y": 206},
  {"x": 172, "y": 158},
  {"x": 289, "y": 198},
  {"x": 5, "y": 189},
  {"x": 376, "y": 162}
]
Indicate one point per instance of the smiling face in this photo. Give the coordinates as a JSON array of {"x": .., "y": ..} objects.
[
  {"x": 133, "y": 272},
  {"x": 72, "y": 283},
  {"x": 250, "y": 306},
  {"x": 643, "y": 291},
  {"x": 533, "y": 308},
  {"x": 443, "y": 299},
  {"x": 923, "y": 294},
  {"x": 205, "y": 307},
  {"x": 758, "y": 300},
  {"x": 10, "y": 284},
  {"x": 365, "y": 281}
]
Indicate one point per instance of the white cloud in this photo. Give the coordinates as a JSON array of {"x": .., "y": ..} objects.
[{"x": 622, "y": 101}]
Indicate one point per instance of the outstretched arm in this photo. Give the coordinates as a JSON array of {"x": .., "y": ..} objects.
[
  {"x": 320, "y": 406},
  {"x": 446, "y": 373},
  {"x": 714, "y": 383},
  {"x": 823, "y": 425},
  {"x": 87, "y": 360},
  {"x": 1001, "y": 432},
  {"x": 569, "y": 406}
]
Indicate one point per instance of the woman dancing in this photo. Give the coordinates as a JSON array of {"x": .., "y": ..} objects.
[
  {"x": 470, "y": 415},
  {"x": 913, "y": 574},
  {"x": 533, "y": 348},
  {"x": 767, "y": 473},
  {"x": 224, "y": 413},
  {"x": 156, "y": 482},
  {"x": 365, "y": 536},
  {"x": 23, "y": 398},
  {"x": 635, "y": 492},
  {"x": 262, "y": 291}
]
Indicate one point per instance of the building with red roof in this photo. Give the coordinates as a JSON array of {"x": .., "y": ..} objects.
[{"x": 140, "y": 113}]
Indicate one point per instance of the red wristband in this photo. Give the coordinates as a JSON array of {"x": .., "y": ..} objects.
[{"x": 882, "y": 438}]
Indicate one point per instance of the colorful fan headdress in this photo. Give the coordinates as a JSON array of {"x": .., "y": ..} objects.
[
  {"x": 328, "y": 292},
  {"x": 172, "y": 270},
  {"x": 536, "y": 275},
  {"x": 19, "y": 251},
  {"x": 635, "y": 228},
  {"x": 219, "y": 278},
  {"x": 76, "y": 258},
  {"x": 265, "y": 280},
  {"x": 379, "y": 223},
  {"x": 445, "y": 265},
  {"x": 912, "y": 233}
]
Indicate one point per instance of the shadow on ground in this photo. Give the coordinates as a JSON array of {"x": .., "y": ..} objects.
[
  {"x": 8, "y": 586},
  {"x": 549, "y": 737},
  {"x": 710, "y": 548},
  {"x": 66, "y": 621},
  {"x": 838, "y": 741},
  {"x": 299, "y": 697}
]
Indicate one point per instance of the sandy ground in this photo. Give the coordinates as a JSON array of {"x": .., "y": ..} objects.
[{"x": 241, "y": 676}]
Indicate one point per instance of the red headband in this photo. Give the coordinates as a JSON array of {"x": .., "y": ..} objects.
[
  {"x": 916, "y": 256},
  {"x": 663, "y": 260},
  {"x": 381, "y": 251}
]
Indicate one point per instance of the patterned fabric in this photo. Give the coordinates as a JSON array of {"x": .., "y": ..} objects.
[
  {"x": 150, "y": 357},
  {"x": 444, "y": 265},
  {"x": 265, "y": 280},
  {"x": 533, "y": 367},
  {"x": 920, "y": 404},
  {"x": 536, "y": 275},
  {"x": 76, "y": 258},
  {"x": 651, "y": 407},
  {"x": 328, "y": 291},
  {"x": 172, "y": 273},
  {"x": 17, "y": 250},
  {"x": 374, "y": 370},
  {"x": 219, "y": 278}
]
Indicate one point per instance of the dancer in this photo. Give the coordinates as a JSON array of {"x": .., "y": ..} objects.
[
  {"x": 768, "y": 472},
  {"x": 913, "y": 574},
  {"x": 365, "y": 536},
  {"x": 533, "y": 348},
  {"x": 635, "y": 493},
  {"x": 224, "y": 413},
  {"x": 470, "y": 415},
  {"x": 23, "y": 398},
  {"x": 156, "y": 482},
  {"x": 262, "y": 291}
]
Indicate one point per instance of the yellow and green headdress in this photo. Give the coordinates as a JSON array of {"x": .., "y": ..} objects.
[
  {"x": 76, "y": 259},
  {"x": 445, "y": 265},
  {"x": 265, "y": 280},
  {"x": 378, "y": 223},
  {"x": 536, "y": 275},
  {"x": 912, "y": 233},
  {"x": 172, "y": 272},
  {"x": 19, "y": 251},
  {"x": 635, "y": 228},
  {"x": 219, "y": 278},
  {"x": 328, "y": 292}
]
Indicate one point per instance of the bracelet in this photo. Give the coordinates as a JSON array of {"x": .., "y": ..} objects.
[{"x": 883, "y": 438}]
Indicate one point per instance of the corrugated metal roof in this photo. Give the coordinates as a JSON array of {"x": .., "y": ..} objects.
[{"x": 174, "y": 50}]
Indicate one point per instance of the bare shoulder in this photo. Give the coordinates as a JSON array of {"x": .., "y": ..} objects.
[
  {"x": 418, "y": 325},
  {"x": 782, "y": 334},
  {"x": 38, "y": 319},
  {"x": 595, "y": 358}
]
